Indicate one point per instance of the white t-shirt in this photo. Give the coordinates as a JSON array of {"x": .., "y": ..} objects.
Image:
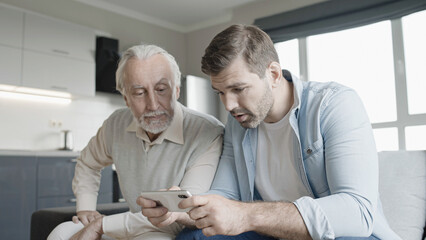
[{"x": 277, "y": 178}]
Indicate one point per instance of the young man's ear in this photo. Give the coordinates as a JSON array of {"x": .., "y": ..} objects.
[{"x": 276, "y": 73}]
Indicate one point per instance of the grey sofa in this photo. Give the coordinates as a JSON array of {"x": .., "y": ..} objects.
[
  {"x": 45, "y": 220},
  {"x": 402, "y": 189}
]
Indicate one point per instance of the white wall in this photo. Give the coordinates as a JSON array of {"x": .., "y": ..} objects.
[{"x": 26, "y": 125}]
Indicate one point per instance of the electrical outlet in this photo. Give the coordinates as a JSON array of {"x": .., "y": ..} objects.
[{"x": 53, "y": 123}]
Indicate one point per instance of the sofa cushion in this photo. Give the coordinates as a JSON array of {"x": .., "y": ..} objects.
[{"x": 402, "y": 188}]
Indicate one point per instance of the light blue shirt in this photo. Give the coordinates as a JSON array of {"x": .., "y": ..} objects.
[{"x": 336, "y": 158}]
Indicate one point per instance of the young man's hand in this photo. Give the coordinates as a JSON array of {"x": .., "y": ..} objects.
[
  {"x": 215, "y": 214},
  {"x": 86, "y": 217}
]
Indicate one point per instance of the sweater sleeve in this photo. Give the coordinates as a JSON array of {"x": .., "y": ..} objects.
[{"x": 87, "y": 174}]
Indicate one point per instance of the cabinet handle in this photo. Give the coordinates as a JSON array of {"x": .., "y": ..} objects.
[
  {"x": 74, "y": 160},
  {"x": 61, "y": 51},
  {"x": 72, "y": 200},
  {"x": 59, "y": 88}
]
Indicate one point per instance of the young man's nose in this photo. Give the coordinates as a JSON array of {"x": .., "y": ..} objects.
[{"x": 229, "y": 102}]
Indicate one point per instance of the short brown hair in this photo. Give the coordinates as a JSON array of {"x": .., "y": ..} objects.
[{"x": 250, "y": 42}]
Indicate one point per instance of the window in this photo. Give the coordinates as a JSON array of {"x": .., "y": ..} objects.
[
  {"x": 415, "y": 61},
  {"x": 416, "y": 137},
  {"x": 384, "y": 62},
  {"x": 288, "y": 53},
  {"x": 360, "y": 58},
  {"x": 386, "y": 139}
]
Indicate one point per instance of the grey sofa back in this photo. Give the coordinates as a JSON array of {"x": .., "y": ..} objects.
[{"x": 402, "y": 188}]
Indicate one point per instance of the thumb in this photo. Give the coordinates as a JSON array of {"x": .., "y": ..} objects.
[
  {"x": 75, "y": 219},
  {"x": 174, "y": 188}
]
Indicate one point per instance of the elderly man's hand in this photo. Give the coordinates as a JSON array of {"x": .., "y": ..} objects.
[
  {"x": 93, "y": 231},
  {"x": 86, "y": 217},
  {"x": 160, "y": 216}
]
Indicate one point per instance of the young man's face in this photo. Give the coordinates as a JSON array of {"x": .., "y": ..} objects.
[
  {"x": 247, "y": 97},
  {"x": 150, "y": 92}
]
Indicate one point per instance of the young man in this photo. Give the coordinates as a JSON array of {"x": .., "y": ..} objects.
[
  {"x": 299, "y": 159},
  {"x": 154, "y": 143}
]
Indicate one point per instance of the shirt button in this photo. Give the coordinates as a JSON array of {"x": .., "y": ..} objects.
[{"x": 309, "y": 151}]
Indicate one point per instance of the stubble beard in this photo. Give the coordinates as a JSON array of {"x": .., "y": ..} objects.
[{"x": 262, "y": 109}]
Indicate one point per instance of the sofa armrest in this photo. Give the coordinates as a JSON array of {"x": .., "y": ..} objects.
[{"x": 45, "y": 220}]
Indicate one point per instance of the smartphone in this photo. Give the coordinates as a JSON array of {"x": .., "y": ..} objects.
[{"x": 169, "y": 199}]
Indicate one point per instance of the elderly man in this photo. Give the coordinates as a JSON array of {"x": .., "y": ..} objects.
[
  {"x": 154, "y": 143},
  {"x": 299, "y": 159}
]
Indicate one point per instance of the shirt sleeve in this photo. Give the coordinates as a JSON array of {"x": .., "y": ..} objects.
[
  {"x": 87, "y": 176},
  {"x": 225, "y": 182},
  {"x": 351, "y": 171},
  {"x": 199, "y": 176},
  {"x": 130, "y": 224}
]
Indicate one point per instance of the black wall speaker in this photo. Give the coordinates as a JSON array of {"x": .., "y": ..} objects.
[{"x": 107, "y": 57}]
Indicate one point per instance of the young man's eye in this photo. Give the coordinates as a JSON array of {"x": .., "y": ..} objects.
[
  {"x": 237, "y": 90},
  {"x": 217, "y": 92}
]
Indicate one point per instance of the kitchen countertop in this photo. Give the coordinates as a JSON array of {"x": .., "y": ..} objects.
[{"x": 39, "y": 153}]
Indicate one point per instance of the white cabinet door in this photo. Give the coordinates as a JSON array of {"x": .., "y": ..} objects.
[
  {"x": 58, "y": 73},
  {"x": 58, "y": 37},
  {"x": 10, "y": 65},
  {"x": 11, "y": 27}
]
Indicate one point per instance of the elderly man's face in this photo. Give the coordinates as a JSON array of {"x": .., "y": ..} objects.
[{"x": 150, "y": 92}]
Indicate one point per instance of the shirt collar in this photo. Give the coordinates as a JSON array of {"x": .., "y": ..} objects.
[{"x": 173, "y": 133}]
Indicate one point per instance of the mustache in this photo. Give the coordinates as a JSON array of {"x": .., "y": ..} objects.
[
  {"x": 155, "y": 113},
  {"x": 236, "y": 111}
]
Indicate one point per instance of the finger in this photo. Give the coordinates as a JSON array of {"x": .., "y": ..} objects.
[
  {"x": 84, "y": 220},
  {"x": 193, "y": 201},
  {"x": 198, "y": 213},
  {"x": 174, "y": 188},
  {"x": 166, "y": 222},
  {"x": 160, "y": 221},
  {"x": 202, "y": 223},
  {"x": 90, "y": 218},
  {"x": 146, "y": 203},
  {"x": 75, "y": 219},
  {"x": 154, "y": 212},
  {"x": 209, "y": 231}
]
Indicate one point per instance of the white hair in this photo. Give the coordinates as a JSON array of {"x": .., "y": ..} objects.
[{"x": 143, "y": 52}]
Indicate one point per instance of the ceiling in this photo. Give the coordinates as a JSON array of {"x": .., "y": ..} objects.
[{"x": 180, "y": 15}]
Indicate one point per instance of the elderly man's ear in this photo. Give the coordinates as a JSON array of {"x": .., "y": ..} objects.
[{"x": 177, "y": 92}]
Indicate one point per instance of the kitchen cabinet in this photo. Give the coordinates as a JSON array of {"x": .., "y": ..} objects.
[
  {"x": 37, "y": 51},
  {"x": 11, "y": 37},
  {"x": 17, "y": 196},
  {"x": 10, "y": 65},
  {"x": 11, "y": 27},
  {"x": 60, "y": 38},
  {"x": 30, "y": 183},
  {"x": 58, "y": 56},
  {"x": 58, "y": 73}
]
